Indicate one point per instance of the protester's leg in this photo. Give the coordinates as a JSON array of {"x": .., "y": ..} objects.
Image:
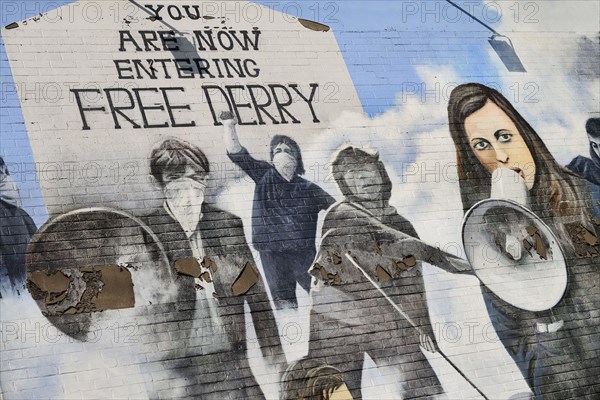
[
  {"x": 281, "y": 281},
  {"x": 304, "y": 258},
  {"x": 414, "y": 376},
  {"x": 339, "y": 347}
]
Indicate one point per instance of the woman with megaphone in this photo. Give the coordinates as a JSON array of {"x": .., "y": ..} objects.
[{"x": 518, "y": 197}]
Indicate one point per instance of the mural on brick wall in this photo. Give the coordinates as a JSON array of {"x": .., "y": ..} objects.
[
  {"x": 195, "y": 249},
  {"x": 284, "y": 212},
  {"x": 364, "y": 225},
  {"x": 154, "y": 255},
  {"x": 216, "y": 275},
  {"x": 490, "y": 135}
]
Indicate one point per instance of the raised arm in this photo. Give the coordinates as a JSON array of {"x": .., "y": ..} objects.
[
  {"x": 353, "y": 230},
  {"x": 255, "y": 169},
  {"x": 230, "y": 137}
]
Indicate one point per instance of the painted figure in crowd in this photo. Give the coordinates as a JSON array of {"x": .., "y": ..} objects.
[
  {"x": 207, "y": 248},
  {"x": 16, "y": 229},
  {"x": 349, "y": 314},
  {"x": 489, "y": 133},
  {"x": 589, "y": 168},
  {"x": 284, "y": 214},
  {"x": 307, "y": 379}
]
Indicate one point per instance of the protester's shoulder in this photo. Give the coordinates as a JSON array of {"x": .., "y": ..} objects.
[
  {"x": 344, "y": 208},
  {"x": 10, "y": 211},
  {"x": 312, "y": 187},
  {"x": 578, "y": 164}
]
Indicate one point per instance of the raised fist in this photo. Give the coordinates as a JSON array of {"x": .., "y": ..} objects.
[{"x": 227, "y": 118}]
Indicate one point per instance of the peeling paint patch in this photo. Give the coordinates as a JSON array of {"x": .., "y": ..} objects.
[
  {"x": 245, "y": 280},
  {"x": 590, "y": 238},
  {"x": 51, "y": 288},
  {"x": 382, "y": 274},
  {"x": 208, "y": 263},
  {"x": 410, "y": 261},
  {"x": 399, "y": 265},
  {"x": 117, "y": 291},
  {"x": 585, "y": 242},
  {"x": 407, "y": 263},
  {"x": 83, "y": 290},
  {"x": 378, "y": 248},
  {"x": 189, "y": 267},
  {"x": 312, "y": 25},
  {"x": 539, "y": 245},
  {"x": 326, "y": 276},
  {"x": 206, "y": 277}
]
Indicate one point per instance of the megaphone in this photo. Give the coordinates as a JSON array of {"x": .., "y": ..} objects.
[{"x": 511, "y": 250}]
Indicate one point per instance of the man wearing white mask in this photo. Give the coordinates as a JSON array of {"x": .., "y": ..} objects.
[
  {"x": 215, "y": 270},
  {"x": 16, "y": 229},
  {"x": 284, "y": 212},
  {"x": 589, "y": 168}
]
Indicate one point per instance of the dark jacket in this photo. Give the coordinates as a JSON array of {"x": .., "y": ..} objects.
[
  {"x": 350, "y": 228},
  {"x": 16, "y": 229},
  {"x": 351, "y": 317},
  {"x": 284, "y": 214},
  {"x": 589, "y": 169},
  {"x": 224, "y": 243}
]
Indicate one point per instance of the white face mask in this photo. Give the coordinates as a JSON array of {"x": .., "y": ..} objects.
[
  {"x": 285, "y": 164},
  {"x": 185, "y": 196},
  {"x": 8, "y": 190}
]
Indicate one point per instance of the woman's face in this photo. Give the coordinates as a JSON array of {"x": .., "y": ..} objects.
[{"x": 497, "y": 143}]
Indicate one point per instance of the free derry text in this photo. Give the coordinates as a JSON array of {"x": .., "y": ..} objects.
[{"x": 253, "y": 104}]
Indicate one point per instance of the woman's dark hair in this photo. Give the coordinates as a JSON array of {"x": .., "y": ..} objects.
[
  {"x": 592, "y": 127},
  {"x": 277, "y": 139},
  {"x": 555, "y": 195},
  {"x": 307, "y": 379},
  {"x": 354, "y": 158},
  {"x": 173, "y": 155}
]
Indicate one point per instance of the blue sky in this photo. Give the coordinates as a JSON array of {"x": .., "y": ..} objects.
[{"x": 355, "y": 24}]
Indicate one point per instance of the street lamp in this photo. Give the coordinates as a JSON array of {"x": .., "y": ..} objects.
[{"x": 501, "y": 44}]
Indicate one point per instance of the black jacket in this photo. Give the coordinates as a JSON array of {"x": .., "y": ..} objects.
[{"x": 16, "y": 229}]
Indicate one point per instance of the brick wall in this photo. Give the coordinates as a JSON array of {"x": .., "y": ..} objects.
[{"x": 382, "y": 76}]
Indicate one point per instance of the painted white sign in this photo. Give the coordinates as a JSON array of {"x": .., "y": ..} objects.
[{"x": 100, "y": 83}]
